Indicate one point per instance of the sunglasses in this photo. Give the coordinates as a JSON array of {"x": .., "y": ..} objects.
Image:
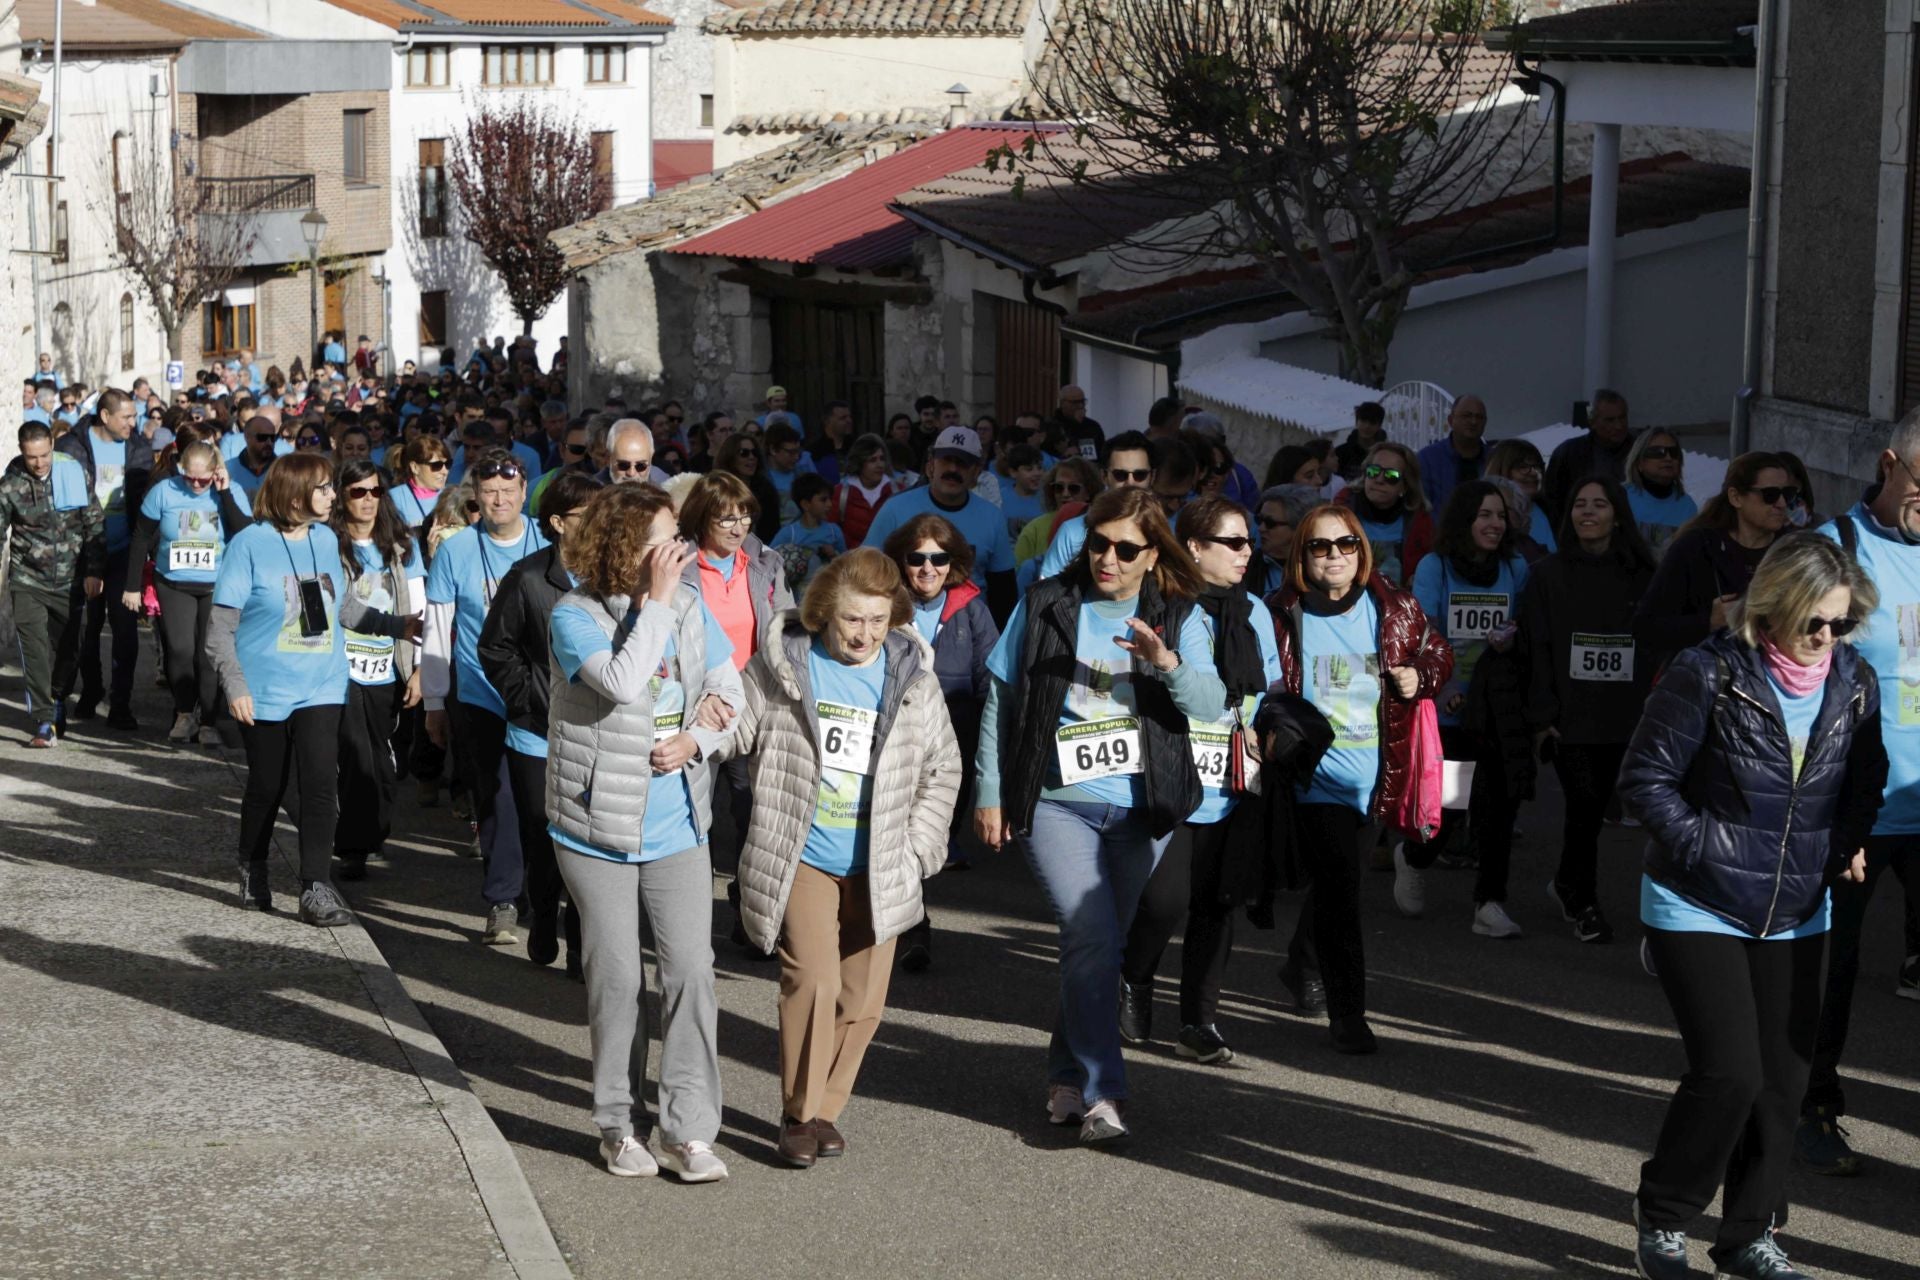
[
  {"x": 676, "y": 418},
  {"x": 438, "y": 464},
  {"x": 1067, "y": 489},
  {"x": 198, "y": 482},
  {"x": 577, "y": 450},
  {"x": 1391, "y": 475},
  {"x": 1659, "y": 451},
  {"x": 307, "y": 442},
  {"x": 262, "y": 439},
  {"x": 731, "y": 522},
  {"x": 624, "y": 467},
  {"x": 1346, "y": 544},
  {"x": 748, "y": 453},
  {"x": 1235, "y": 543},
  {"x": 1839, "y": 626},
  {"x": 1775, "y": 493},
  {"x": 1099, "y": 544},
  {"x": 370, "y": 491},
  {"x": 1268, "y": 522},
  {"x": 1121, "y": 475},
  {"x": 938, "y": 559},
  {"x": 497, "y": 471}
]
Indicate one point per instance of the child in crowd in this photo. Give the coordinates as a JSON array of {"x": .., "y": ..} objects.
[
  {"x": 810, "y": 541},
  {"x": 1021, "y": 500}
]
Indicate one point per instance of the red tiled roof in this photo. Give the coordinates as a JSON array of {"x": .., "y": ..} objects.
[
  {"x": 878, "y": 17},
  {"x": 145, "y": 24},
  {"x": 848, "y": 223}
]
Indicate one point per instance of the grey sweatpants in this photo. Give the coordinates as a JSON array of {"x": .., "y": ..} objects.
[{"x": 676, "y": 893}]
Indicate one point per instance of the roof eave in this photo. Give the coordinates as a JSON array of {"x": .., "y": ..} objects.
[
  {"x": 1732, "y": 50},
  {"x": 555, "y": 30},
  {"x": 971, "y": 245}
]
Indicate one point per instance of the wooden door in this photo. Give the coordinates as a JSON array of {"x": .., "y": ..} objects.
[
  {"x": 1026, "y": 359},
  {"x": 825, "y": 352},
  {"x": 333, "y": 316}
]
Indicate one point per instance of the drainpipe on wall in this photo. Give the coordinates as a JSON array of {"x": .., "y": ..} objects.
[{"x": 1740, "y": 428}]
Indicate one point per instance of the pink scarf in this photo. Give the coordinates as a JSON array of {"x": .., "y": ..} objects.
[
  {"x": 1796, "y": 679},
  {"x": 425, "y": 495}
]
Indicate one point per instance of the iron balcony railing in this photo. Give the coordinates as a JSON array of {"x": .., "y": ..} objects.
[{"x": 261, "y": 193}]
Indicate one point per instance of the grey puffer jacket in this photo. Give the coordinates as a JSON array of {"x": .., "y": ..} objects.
[
  {"x": 916, "y": 780},
  {"x": 600, "y": 730}
]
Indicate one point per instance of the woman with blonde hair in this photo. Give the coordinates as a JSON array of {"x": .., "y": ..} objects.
[
  {"x": 855, "y": 775},
  {"x": 1757, "y": 770},
  {"x": 634, "y": 655},
  {"x": 1395, "y": 516},
  {"x": 1085, "y": 762}
]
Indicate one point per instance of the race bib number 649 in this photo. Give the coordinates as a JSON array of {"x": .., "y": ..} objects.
[{"x": 1094, "y": 749}]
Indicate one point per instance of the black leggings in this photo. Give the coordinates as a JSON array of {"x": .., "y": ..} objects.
[
  {"x": 183, "y": 637},
  {"x": 302, "y": 747},
  {"x": 1327, "y": 938},
  {"x": 1588, "y": 774},
  {"x": 366, "y": 767},
  {"x": 1900, "y": 855},
  {"x": 1185, "y": 886},
  {"x": 1748, "y": 1011},
  {"x": 527, "y": 779},
  {"x": 480, "y": 740},
  {"x": 1490, "y": 813}
]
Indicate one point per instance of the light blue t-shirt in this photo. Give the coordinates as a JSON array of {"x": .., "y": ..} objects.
[
  {"x": 1340, "y": 674},
  {"x": 843, "y": 696},
  {"x": 370, "y": 659},
  {"x": 465, "y": 574},
  {"x": 668, "y": 826},
  {"x": 1541, "y": 531},
  {"x": 979, "y": 522},
  {"x": 233, "y": 443},
  {"x": 414, "y": 510},
  {"x": 796, "y": 544},
  {"x": 1890, "y": 643},
  {"x": 244, "y": 477},
  {"x": 1068, "y": 540},
  {"x": 1465, "y": 614},
  {"x": 724, "y": 567},
  {"x": 1102, "y": 691},
  {"x": 1020, "y": 509},
  {"x": 1660, "y": 519},
  {"x": 926, "y": 617},
  {"x": 260, "y": 576},
  {"x": 191, "y": 540},
  {"x": 1388, "y": 543},
  {"x": 1662, "y": 908},
  {"x": 110, "y": 486},
  {"x": 1212, "y": 741},
  {"x": 782, "y": 482}
]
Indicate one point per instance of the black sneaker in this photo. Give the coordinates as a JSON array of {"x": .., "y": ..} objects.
[
  {"x": 1204, "y": 1044},
  {"x": 254, "y": 893},
  {"x": 1659, "y": 1255},
  {"x": 86, "y": 709},
  {"x": 320, "y": 905},
  {"x": 917, "y": 955},
  {"x": 543, "y": 937},
  {"x": 1351, "y": 1034},
  {"x": 121, "y": 718},
  {"x": 1590, "y": 926},
  {"x": 1908, "y": 988},
  {"x": 1764, "y": 1259},
  {"x": 1136, "y": 1012},
  {"x": 1308, "y": 991},
  {"x": 353, "y": 866},
  {"x": 1820, "y": 1144}
]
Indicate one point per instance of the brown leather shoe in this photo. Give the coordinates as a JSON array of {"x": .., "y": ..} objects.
[
  {"x": 798, "y": 1145},
  {"x": 829, "y": 1139}
]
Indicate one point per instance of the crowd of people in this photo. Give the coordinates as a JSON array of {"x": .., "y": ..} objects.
[{"x": 1176, "y": 691}]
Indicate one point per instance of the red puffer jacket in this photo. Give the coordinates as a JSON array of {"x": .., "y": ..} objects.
[{"x": 1406, "y": 640}]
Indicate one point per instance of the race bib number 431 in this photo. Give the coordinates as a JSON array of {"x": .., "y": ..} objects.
[{"x": 1092, "y": 749}]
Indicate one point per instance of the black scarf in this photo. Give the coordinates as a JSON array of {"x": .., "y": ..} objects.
[
  {"x": 1236, "y": 650},
  {"x": 1375, "y": 514}
]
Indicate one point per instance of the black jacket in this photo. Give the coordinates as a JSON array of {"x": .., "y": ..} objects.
[
  {"x": 1047, "y": 663},
  {"x": 1575, "y": 460},
  {"x": 1709, "y": 773},
  {"x": 1570, "y": 593},
  {"x": 513, "y": 640},
  {"x": 1496, "y": 714},
  {"x": 1700, "y": 566}
]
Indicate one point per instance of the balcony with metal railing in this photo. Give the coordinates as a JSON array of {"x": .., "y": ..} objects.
[{"x": 257, "y": 193}]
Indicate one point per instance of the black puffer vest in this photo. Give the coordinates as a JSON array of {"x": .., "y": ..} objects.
[{"x": 1047, "y": 662}]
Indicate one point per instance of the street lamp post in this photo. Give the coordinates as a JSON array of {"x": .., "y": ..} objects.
[{"x": 313, "y": 227}]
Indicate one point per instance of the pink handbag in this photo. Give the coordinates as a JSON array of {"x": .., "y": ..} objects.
[{"x": 1417, "y": 815}]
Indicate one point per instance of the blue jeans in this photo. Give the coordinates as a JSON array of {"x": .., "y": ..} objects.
[{"x": 1094, "y": 861}]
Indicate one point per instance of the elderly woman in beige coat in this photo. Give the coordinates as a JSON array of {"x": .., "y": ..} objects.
[{"x": 855, "y": 776}]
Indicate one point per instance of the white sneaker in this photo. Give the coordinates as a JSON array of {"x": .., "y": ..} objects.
[
  {"x": 1103, "y": 1123},
  {"x": 1064, "y": 1104},
  {"x": 185, "y": 725},
  {"x": 627, "y": 1158},
  {"x": 1490, "y": 920},
  {"x": 687, "y": 1161},
  {"x": 1409, "y": 886}
]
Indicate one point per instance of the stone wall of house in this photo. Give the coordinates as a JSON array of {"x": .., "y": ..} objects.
[{"x": 683, "y": 69}]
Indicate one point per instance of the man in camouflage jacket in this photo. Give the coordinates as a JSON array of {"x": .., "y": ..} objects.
[{"x": 56, "y": 533}]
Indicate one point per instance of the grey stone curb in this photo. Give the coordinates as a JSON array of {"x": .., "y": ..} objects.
[{"x": 524, "y": 1235}]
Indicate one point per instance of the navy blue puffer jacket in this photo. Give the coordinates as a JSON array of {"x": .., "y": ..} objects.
[{"x": 1709, "y": 773}]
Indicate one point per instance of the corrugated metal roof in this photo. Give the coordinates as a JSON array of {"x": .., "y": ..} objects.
[
  {"x": 504, "y": 13},
  {"x": 848, "y": 223},
  {"x": 126, "y": 24}
]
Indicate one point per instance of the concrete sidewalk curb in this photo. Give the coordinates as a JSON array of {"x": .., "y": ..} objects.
[{"x": 524, "y": 1234}]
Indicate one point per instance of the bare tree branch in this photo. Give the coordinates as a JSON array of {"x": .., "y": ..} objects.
[
  {"x": 521, "y": 170},
  {"x": 1307, "y": 135}
]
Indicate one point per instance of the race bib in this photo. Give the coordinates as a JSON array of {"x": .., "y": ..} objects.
[
  {"x": 1474, "y": 615},
  {"x": 1091, "y": 749},
  {"x": 846, "y": 737},
  {"x": 1601, "y": 657},
  {"x": 185, "y": 557},
  {"x": 1212, "y": 751},
  {"x": 370, "y": 664},
  {"x": 667, "y": 726}
]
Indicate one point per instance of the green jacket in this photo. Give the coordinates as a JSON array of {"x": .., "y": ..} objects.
[{"x": 52, "y": 549}]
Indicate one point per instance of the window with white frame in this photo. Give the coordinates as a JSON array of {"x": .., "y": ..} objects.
[
  {"x": 427, "y": 66},
  {"x": 606, "y": 64},
  {"x": 706, "y": 111},
  {"x": 517, "y": 65}
]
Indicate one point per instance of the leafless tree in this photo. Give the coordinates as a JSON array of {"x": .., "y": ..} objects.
[
  {"x": 184, "y": 240},
  {"x": 1306, "y": 135},
  {"x": 520, "y": 170}
]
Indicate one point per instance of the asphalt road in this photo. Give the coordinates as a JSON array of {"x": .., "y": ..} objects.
[{"x": 1498, "y": 1133}]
